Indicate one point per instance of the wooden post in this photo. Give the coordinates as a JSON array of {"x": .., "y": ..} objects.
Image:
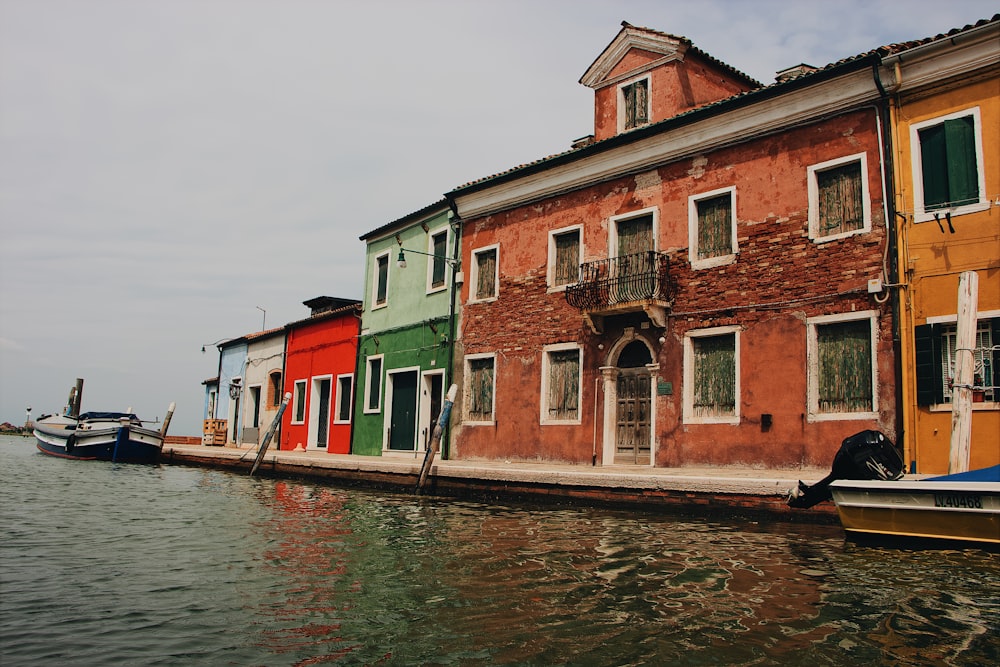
[
  {"x": 270, "y": 433},
  {"x": 965, "y": 362},
  {"x": 439, "y": 427},
  {"x": 166, "y": 421}
]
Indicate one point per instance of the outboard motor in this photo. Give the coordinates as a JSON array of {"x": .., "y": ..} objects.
[{"x": 867, "y": 455}]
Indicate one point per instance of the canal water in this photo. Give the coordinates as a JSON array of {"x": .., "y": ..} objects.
[{"x": 109, "y": 564}]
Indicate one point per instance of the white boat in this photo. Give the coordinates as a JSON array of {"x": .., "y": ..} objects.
[
  {"x": 964, "y": 507},
  {"x": 104, "y": 436}
]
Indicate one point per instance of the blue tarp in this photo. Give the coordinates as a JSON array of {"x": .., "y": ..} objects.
[{"x": 981, "y": 475}]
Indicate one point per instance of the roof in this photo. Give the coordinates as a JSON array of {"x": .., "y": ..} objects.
[
  {"x": 349, "y": 309},
  {"x": 437, "y": 207},
  {"x": 780, "y": 87}
]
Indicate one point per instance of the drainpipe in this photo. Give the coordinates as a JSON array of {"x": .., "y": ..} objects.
[
  {"x": 456, "y": 255},
  {"x": 884, "y": 118}
]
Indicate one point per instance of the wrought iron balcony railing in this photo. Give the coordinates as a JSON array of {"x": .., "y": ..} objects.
[{"x": 608, "y": 284}]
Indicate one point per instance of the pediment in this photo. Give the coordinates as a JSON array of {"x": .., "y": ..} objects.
[{"x": 654, "y": 47}]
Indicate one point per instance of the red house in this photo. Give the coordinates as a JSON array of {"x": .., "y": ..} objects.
[
  {"x": 320, "y": 356},
  {"x": 698, "y": 283}
]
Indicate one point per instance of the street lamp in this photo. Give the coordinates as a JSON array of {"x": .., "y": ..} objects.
[{"x": 401, "y": 259}]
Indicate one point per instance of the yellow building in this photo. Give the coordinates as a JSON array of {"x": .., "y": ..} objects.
[{"x": 944, "y": 101}]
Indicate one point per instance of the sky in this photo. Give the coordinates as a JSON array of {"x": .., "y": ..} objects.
[{"x": 173, "y": 173}]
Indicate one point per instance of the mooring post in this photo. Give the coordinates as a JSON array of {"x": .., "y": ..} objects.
[
  {"x": 435, "y": 442},
  {"x": 270, "y": 433},
  {"x": 965, "y": 366}
]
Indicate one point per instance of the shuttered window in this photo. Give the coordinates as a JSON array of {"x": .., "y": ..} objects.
[
  {"x": 274, "y": 389},
  {"x": 300, "y": 401},
  {"x": 841, "y": 199},
  {"x": 563, "y": 379},
  {"x": 844, "y": 366},
  {"x": 935, "y": 367},
  {"x": 635, "y": 97},
  {"x": 344, "y": 385},
  {"x": 715, "y": 227},
  {"x": 439, "y": 246},
  {"x": 479, "y": 389},
  {"x": 635, "y": 235},
  {"x": 567, "y": 258},
  {"x": 373, "y": 378},
  {"x": 486, "y": 274},
  {"x": 714, "y": 376},
  {"x": 948, "y": 163}
]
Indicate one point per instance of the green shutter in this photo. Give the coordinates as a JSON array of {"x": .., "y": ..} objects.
[
  {"x": 963, "y": 178},
  {"x": 927, "y": 349},
  {"x": 934, "y": 163}
]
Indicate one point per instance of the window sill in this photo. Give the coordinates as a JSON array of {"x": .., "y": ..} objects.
[
  {"x": 836, "y": 237},
  {"x": 922, "y": 216},
  {"x": 841, "y": 416},
  {"x": 713, "y": 262},
  {"x": 976, "y": 407}
]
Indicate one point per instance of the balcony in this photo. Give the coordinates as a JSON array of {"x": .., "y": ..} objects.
[{"x": 619, "y": 285}]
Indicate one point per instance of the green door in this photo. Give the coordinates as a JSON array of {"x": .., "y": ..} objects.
[{"x": 403, "y": 413}]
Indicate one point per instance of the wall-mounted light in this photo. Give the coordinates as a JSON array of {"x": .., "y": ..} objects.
[{"x": 401, "y": 259}]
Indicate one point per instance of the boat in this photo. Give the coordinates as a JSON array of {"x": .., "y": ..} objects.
[
  {"x": 102, "y": 436},
  {"x": 963, "y": 507},
  {"x": 877, "y": 503}
]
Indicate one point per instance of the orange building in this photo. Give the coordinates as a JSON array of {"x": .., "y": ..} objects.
[{"x": 945, "y": 104}]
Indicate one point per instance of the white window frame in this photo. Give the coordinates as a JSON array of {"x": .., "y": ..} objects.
[
  {"x": 615, "y": 219},
  {"x": 919, "y": 214},
  {"x": 550, "y": 277},
  {"x": 621, "y": 102},
  {"x": 720, "y": 260},
  {"x": 388, "y": 269},
  {"x": 813, "y": 190},
  {"x": 466, "y": 420},
  {"x": 339, "y": 399},
  {"x": 474, "y": 274},
  {"x": 689, "y": 416},
  {"x": 299, "y": 389},
  {"x": 812, "y": 365},
  {"x": 543, "y": 402},
  {"x": 368, "y": 409},
  {"x": 446, "y": 230}
]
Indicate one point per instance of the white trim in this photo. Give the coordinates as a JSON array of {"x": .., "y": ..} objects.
[
  {"x": 390, "y": 377},
  {"x": 296, "y": 392},
  {"x": 916, "y": 162},
  {"x": 720, "y": 260},
  {"x": 315, "y": 408},
  {"x": 375, "y": 305},
  {"x": 620, "y": 102},
  {"x": 544, "y": 419},
  {"x": 368, "y": 410},
  {"x": 446, "y": 230},
  {"x": 551, "y": 266},
  {"x": 953, "y": 319},
  {"x": 465, "y": 390},
  {"x": 812, "y": 370},
  {"x": 688, "y": 408},
  {"x": 615, "y": 219},
  {"x": 338, "y": 399},
  {"x": 813, "y": 188},
  {"x": 474, "y": 274}
]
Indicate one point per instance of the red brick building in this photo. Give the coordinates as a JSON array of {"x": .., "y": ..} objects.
[
  {"x": 699, "y": 282},
  {"x": 320, "y": 357}
]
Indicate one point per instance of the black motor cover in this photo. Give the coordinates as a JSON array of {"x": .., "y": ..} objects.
[{"x": 867, "y": 455}]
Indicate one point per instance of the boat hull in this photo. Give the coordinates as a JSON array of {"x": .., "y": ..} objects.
[
  {"x": 114, "y": 442},
  {"x": 920, "y": 510}
]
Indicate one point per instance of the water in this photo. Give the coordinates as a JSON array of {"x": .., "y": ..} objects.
[{"x": 109, "y": 564}]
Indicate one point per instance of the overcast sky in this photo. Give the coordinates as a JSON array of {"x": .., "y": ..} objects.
[{"x": 168, "y": 167}]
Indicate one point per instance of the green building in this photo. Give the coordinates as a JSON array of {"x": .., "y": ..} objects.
[{"x": 407, "y": 329}]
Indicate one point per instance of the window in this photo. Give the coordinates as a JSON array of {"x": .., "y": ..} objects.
[
  {"x": 480, "y": 386},
  {"x": 948, "y": 176},
  {"x": 633, "y": 104},
  {"x": 299, "y": 398},
  {"x": 935, "y": 361},
  {"x": 345, "y": 387},
  {"x": 373, "y": 384},
  {"x": 254, "y": 406},
  {"x": 839, "y": 203},
  {"x": 439, "y": 249},
  {"x": 561, "y": 383},
  {"x": 634, "y": 232},
  {"x": 842, "y": 375},
  {"x": 484, "y": 269},
  {"x": 381, "y": 280},
  {"x": 274, "y": 388},
  {"x": 711, "y": 376},
  {"x": 712, "y": 228},
  {"x": 564, "y": 257}
]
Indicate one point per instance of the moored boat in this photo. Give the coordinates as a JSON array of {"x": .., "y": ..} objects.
[
  {"x": 102, "y": 436},
  {"x": 964, "y": 507}
]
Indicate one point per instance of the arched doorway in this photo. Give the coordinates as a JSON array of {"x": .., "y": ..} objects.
[{"x": 629, "y": 411}]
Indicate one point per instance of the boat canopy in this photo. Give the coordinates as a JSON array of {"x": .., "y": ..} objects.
[
  {"x": 105, "y": 416},
  {"x": 991, "y": 474}
]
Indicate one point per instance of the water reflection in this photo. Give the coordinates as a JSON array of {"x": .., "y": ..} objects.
[{"x": 179, "y": 566}]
